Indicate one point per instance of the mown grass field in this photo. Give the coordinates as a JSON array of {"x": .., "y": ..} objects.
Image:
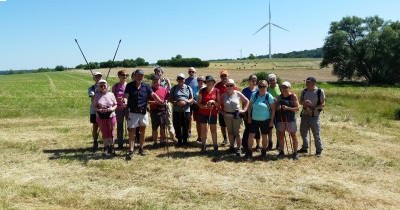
[{"x": 46, "y": 162}]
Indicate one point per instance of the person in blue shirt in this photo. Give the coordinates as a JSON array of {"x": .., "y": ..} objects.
[
  {"x": 260, "y": 113},
  {"x": 191, "y": 81},
  {"x": 248, "y": 91},
  {"x": 137, "y": 94}
]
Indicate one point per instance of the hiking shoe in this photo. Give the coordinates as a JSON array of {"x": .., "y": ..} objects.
[
  {"x": 318, "y": 154},
  {"x": 198, "y": 140},
  {"x": 142, "y": 152},
  {"x": 238, "y": 152},
  {"x": 281, "y": 155},
  {"x": 155, "y": 145},
  {"x": 269, "y": 148},
  {"x": 111, "y": 150},
  {"x": 203, "y": 148},
  {"x": 231, "y": 150},
  {"x": 263, "y": 153},
  {"x": 258, "y": 148},
  {"x": 224, "y": 142},
  {"x": 179, "y": 144},
  {"x": 95, "y": 146},
  {"x": 163, "y": 143},
  {"x": 129, "y": 155},
  {"x": 248, "y": 155},
  {"x": 295, "y": 156},
  {"x": 302, "y": 150},
  {"x": 120, "y": 147},
  {"x": 189, "y": 134},
  {"x": 216, "y": 150}
]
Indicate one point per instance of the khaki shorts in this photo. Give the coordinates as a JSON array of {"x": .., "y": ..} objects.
[
  {"x": 138, "y": 120},
  {"x": 291, "y": 127},
  {"x": 232, "y": 124}
]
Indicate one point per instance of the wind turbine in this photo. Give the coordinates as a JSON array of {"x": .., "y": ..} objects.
[{"x": 269, "y": 24}]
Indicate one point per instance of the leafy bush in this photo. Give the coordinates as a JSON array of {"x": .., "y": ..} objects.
[
  {"x": 178, "y": 61},
  {"x": 260, "y": 76}
]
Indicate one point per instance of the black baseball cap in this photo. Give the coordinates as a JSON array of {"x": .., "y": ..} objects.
[
  {"x": 311, "y": 79},
  {"x": 139, "y": 71}
]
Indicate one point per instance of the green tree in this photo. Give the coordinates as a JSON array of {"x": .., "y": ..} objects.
[
  {"x": 366, "y": 48},
  {"x": 252, "y": 56},
  {"x": 59, "y": 68}
]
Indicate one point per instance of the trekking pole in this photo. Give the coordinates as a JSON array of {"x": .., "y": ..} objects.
[
  {"x": 165, "y": 127},
  {"x": 112, "y": 63},
  {"x": 284, "y": 133},
  {"x": 290, "y": 137},
  {"x": 309, "y": 132},
  {"x": 84, "y": 57}
]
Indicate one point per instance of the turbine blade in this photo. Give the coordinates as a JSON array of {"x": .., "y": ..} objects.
[
  {"x": 261, "y": 28},
  {"x": 269, "y": 8},
  {"x": 279, "y": 27}
]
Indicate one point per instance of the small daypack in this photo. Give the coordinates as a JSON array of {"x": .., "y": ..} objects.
[{"x": 266, "y": 100}]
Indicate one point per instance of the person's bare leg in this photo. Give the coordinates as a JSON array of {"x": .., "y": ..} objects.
[{"x": 132, "y": 134}]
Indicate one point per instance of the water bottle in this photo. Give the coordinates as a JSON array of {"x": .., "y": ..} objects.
[{"x": 236, "y": 114}]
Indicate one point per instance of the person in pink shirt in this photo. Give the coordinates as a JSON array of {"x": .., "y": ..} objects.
[
  {"x": 105, "y": 104},
  {"x": 121, "y": 112},
  {"x": 158, "y": 112}
]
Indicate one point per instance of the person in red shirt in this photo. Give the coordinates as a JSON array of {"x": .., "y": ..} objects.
[
  {"x": 158, "y": 113},
  {"x": 208, "y": 102},
  {"x": 221, "y": 86}
]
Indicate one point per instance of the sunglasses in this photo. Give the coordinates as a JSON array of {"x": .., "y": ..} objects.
[
  {"x": 262, "y": 86},
  {"x": 191, "y": 71},
  {"x": 230, "y": 85},
  {"x": 284, "y": 87},
  {"x": 224, "y": 75},
  {"x": 102, "y": 86},
  {"x": 179, "y": 78}
]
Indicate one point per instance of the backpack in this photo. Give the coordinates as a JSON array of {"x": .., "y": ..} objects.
[
  {"x": 266, "y": 100},
  {"x": 173, "y": 90},
  {"x": 318, "y": 94}
]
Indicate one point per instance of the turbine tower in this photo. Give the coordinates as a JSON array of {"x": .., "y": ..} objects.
[{"x": 269, "y": 24}]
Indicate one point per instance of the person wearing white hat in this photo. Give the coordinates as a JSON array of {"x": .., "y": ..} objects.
[
  {"x": 91, "y": 92},
  {"x": 232, "y": 101},
  {"x": 182, "y": 97},
  {"x": 287, "y": 106},
  {"x": 104, "y": 103},
  {"x": 273, "y": 89}
]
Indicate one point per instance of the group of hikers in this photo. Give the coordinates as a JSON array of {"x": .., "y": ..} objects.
[{"x": 261, "y": 106}]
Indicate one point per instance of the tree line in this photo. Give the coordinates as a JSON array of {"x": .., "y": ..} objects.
[
  {"x": 179, "y": 61},
  {"x": 126, "y": 63}
]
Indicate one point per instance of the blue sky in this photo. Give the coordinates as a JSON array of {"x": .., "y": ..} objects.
[{"x": 41, "y": 33}]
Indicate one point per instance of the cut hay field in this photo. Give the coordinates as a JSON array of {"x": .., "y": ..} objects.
[{"x": 46, "y": 162}]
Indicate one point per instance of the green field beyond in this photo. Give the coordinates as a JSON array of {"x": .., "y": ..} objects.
[{"x": 46, "y": 161}]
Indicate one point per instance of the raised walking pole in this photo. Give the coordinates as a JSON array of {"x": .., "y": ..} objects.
[
  {"x": 84, "y": 57},
  {"x": 112, "y": 63}
]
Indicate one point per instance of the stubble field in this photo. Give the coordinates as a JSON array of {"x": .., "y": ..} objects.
[{"x": 46, "y": 161}]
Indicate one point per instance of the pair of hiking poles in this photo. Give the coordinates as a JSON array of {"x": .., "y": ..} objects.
[
  {"x": 290, "y": 137},
  {"x": 88, "y": 66}
]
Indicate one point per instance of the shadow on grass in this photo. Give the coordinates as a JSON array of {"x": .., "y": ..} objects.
[
  {"x": 76, "y": 154},
  {"x": 222, "y": 155},
  {"x": 81, "y": 154}
]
